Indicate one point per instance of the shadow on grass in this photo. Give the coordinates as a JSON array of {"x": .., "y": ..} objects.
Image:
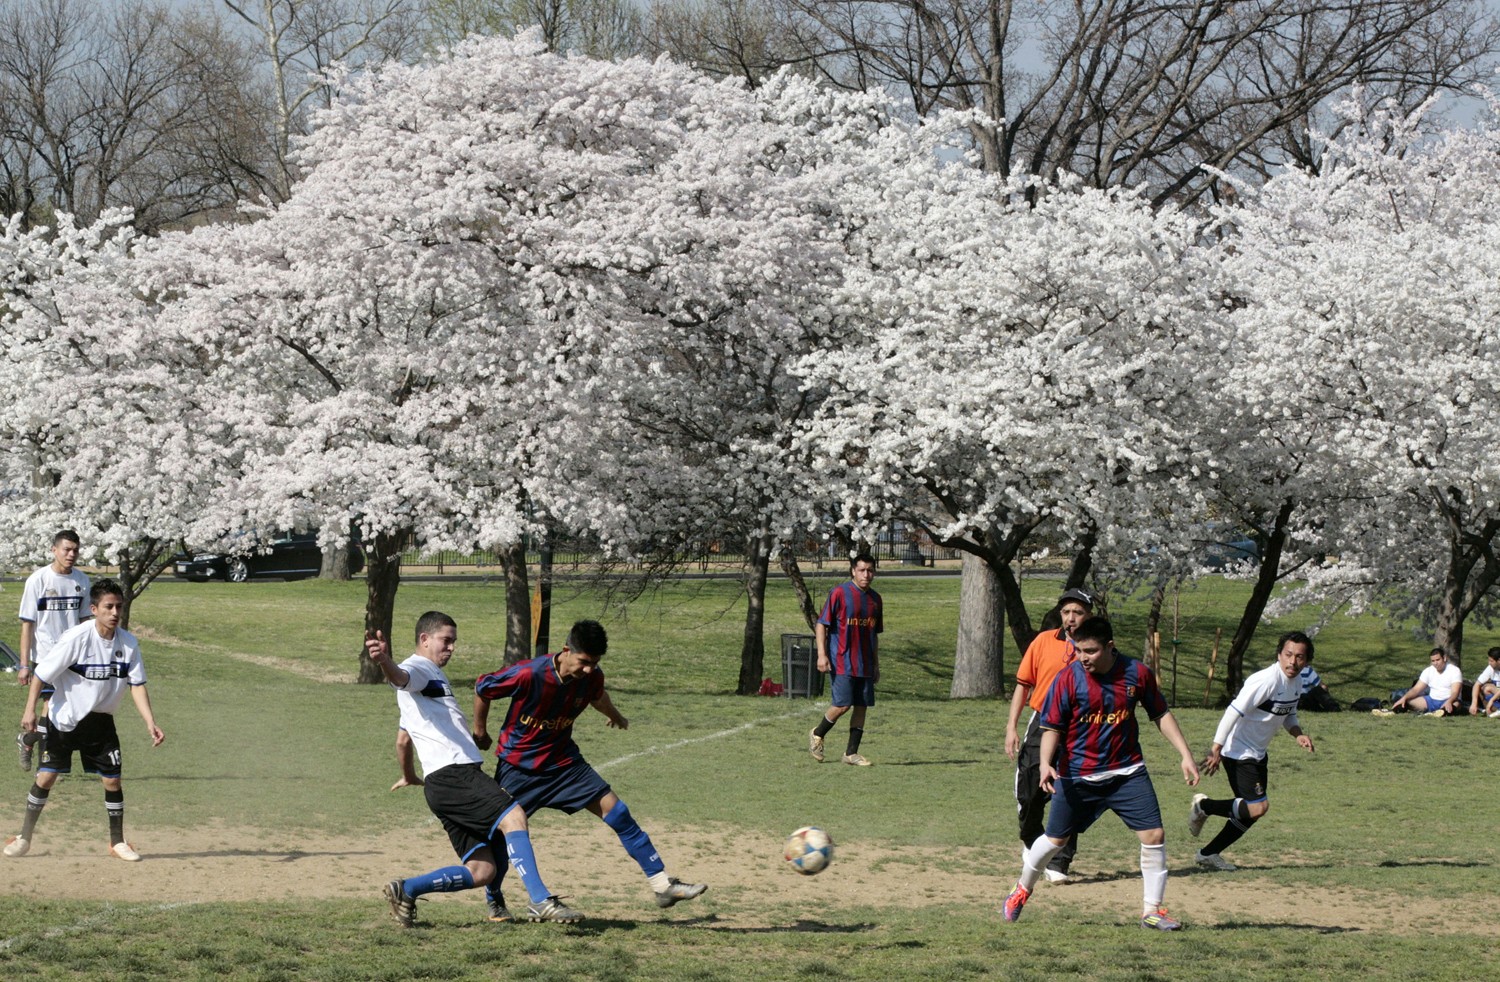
[
  {"x": 280, "y": 855},
  {"x": 1282, "y": 926},
  {"x": 712, "y": 922},
  {"x": 930, "y": 763}
]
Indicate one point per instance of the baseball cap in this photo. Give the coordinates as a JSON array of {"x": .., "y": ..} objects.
[{"x": 1078, "y": 596}]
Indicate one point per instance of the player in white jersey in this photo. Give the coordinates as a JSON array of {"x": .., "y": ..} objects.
[
  {"x": 1267, "y": 704},
  {"x": 481, "y": 819},
  {"x": 90, "y": 667},
  {"x": 51, "y": 605},
  {"x": 1487, "y": 687}
]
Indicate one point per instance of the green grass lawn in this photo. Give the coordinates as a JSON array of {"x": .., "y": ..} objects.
[{"x": 263, "y": 734}]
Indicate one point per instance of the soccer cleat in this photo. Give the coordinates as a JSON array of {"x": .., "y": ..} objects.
[
  {"x": 403, "y": 908},
  {"x": 1160, "y": 920},
  {"x": 858, "y": 760},
  {"x": 24, "y": 750},
  {"x": 1438, "y": 713},
  {"x": 815, "y": 745},
  {"x": 1056, "y": 875},
  {"x": 1495, "y": 714},
  {"x": 122, "y": 850},
  {"x": 1011, "y": 910},
  {"x": 1382, "y": 712},
  {"x": 16, "y": 846},
  {"x": 499, "y": 913},
  {"x": 1213, "y": 860},
  {"x": 1196, "y": 815},
  {"x": 677, "y": 890},
  {"x": 552, "y": 909}
]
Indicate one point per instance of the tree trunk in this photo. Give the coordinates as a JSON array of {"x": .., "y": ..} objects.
[
  {"x": 544, "y": 588},
  {"x": 382, "y": 577},
  {"x": 139, "y": 567},
  {"x": 1083, "y": 560},
  {"x": 979, "y": 662},
  {"x": 1153, "y": 617},
  {"x": 1472, "y": 571},
  {"x": 335, "y": 564},
  {"x": 799, "y": 586},
  {"x": 753, "y": 650},
  {"x": 517, "y": 603},
  {"x": 1260, "y": 595}
]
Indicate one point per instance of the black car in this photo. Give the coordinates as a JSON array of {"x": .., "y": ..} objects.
[{"x": 292, "y": 556}]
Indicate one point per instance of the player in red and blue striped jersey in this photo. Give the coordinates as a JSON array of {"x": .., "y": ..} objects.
[
  {"x": 848, "y": 636},
  {"x": 540, "y": 766},
  {"x": 1089, "y": 717}
]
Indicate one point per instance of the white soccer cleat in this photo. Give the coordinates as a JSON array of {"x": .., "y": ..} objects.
[
  {"x": 1214, "y": 861},
  {"x": 16, "y": 846},
  {"x": 1196, "y": 815},
  {"x": 1055, "y": 875},
  {"x": 858, "y": 760},
  {"x": 122, "y": 850}
]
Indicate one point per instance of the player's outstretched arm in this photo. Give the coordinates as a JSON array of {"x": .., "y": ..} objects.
[
  {"x": 606, "y": 706},
  {"x": 380, "y": 653},
  {"x": 143, "y": 706},
  {"x": 1167, "y": 723}
]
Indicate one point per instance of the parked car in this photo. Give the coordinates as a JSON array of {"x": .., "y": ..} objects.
[
  {"x": 9, "y": 660},
  {"x": 292, "y": 556}
]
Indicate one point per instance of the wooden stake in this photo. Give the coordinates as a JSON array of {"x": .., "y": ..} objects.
[{"x": 1213, "y": 660}]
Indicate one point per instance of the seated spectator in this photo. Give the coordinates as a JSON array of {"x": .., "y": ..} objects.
[
  {"x": 1436, "y": 690},
  {"x": 1315, "y": 694},
  {"x": 1487, "y": 688}
]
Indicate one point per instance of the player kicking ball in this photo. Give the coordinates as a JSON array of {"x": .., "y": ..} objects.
[
  {"x": 539, "y": 764},
  {"x": 1089, "y": 716},
  {"x": 481, "y": 820}
]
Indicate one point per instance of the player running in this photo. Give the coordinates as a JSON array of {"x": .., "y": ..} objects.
[
  {"x": 479, "y": 817},
  {"x": 1090, "y": 716},
  {"x": 539, "y": 764},
  {"x": 1267, "y": 703}
]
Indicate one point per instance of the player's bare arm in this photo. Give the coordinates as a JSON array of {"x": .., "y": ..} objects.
[
  {"x": 379, "y": 651},
  {"x": 1169, "y": 729},
  {"x": 1210, "y": 764},
  {"x": 820, "y": 632},
  {"x": 28, "y": 641},
  {"x": 142, "y": 701},
  {"x": 1049, "y": 775},
  {"x": 607, "y": 707},
  {"x": 1303, "y": 740},
  {"x": 480, "y": 728},
  {"x": 33, "y": 696},
  {"x": 404, "y": 760}
]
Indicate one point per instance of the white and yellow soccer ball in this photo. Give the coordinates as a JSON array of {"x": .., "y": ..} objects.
[{"x": 809, "y": 850}]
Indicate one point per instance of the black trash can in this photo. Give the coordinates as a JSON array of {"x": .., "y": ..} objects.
[{"x": 800, "y": 677}]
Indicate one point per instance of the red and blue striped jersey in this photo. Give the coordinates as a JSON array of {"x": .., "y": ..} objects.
[
  {"x": 1095, "y": 715},
  {"x": 538, "y": 730},
  {"x": 853, "y": 619}
]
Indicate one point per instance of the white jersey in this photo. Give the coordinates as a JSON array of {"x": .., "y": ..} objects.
[
  {"x": 1489, "y": 676},
  {"x": 90, "y": 673},
  {"x": 430, "y": 714},
  {"x": 1442, "y": 685},
  {"x": 55, "y": 604},
  {"x": 1266, "y": 704}
]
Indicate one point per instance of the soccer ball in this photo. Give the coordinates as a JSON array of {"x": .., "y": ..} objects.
[{"x": 809, "y": 850}]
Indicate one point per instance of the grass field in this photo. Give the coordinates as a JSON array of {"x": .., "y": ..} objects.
[{"x": 268, "y": 830}]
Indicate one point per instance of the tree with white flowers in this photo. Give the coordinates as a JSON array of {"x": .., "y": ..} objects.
[
  {"x": 1369, "y": 291},
  {"x": 1022, "y": 364}
]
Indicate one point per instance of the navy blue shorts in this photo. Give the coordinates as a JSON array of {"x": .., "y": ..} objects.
[
  {"x": 1077, "y": 804},
  {"x": 850, "y": 690},
  {"x": 568, "y": 789}
]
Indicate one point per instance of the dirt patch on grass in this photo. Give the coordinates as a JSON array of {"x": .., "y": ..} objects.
[{"x": 749, "y": 885}]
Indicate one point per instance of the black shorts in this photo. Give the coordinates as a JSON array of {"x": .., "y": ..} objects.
[
  {"x": 469, "y": 804},
  {"x": 1247, "y": 777},
  {"x": 94, "y": 738}
]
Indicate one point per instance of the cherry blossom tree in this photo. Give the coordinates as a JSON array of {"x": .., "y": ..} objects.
[{"x": 1369, "y": 290}]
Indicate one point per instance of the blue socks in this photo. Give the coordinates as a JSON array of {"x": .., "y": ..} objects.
[
  {"x": 635, "y": 840},
  {"x": 518, "y": 850},
  {"x": 445, "y": 880}
]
